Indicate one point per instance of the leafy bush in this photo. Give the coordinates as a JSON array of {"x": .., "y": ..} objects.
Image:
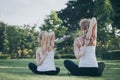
[
  {"x": 57, "y": 56},
  {"x": 5, "y": 56},
  {"x": 111, "y": 55},
  {"x": 69, "y": 56}
]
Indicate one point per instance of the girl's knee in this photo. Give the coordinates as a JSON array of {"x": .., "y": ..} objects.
[
  {"x": 30, "y": 64},
  {"x": 66, "y": 62}
]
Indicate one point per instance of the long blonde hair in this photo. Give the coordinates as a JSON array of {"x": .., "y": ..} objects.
[
  {"x": 52, "y": 34},
  {"x": 51, "y": 37},
  {"x": 43, "y": 39}
]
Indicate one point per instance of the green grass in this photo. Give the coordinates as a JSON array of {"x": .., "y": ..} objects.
[{"x": 13, "y": 69}]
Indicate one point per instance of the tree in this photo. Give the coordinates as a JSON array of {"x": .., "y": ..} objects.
[
  {"x": 2, "y": 29},
  {"x": 22, "y": 39},
  {"x": 71, "y": 16},
  {"x": 4, "y": 43},
  {"x": 115, "y": 24},
  {"x": 103, "y": 12},
  {"x": 52, "y": 22},
  {"x": 75, "y": 11},
  {"x": 79, "y": 9},
  {"x": 116, "y": 15}
]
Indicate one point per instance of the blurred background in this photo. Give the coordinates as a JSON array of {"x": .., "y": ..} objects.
[{"x": 22, "y": 20}]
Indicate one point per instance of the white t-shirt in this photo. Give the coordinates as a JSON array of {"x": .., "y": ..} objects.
[
  {"x": 89, "y": 58},
  {"x": 48, "y": 64}
]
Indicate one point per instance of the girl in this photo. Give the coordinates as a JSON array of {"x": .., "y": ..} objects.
[
  {"x": 84, "y": 50},
  {"x": 44, "y": 56}
]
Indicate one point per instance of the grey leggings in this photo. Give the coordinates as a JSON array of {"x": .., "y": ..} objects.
[{"x": 84, "y": 71}]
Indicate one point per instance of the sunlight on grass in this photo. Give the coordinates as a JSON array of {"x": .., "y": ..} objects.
[
  {"x": 14, "y": 69},
  {"x": 115, "y": 68}
]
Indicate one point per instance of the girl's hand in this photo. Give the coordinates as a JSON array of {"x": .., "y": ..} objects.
[
  {"x": 46, "y": 53},
  {"x": 49, "y": 48}
]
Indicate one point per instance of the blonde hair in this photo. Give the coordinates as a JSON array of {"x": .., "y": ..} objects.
[
  {"x": 84, "y": 24},
  {"x": 51, "y": 34},
  {"x": 51, "y": 38},
  {"x": 43, "y": 36}
]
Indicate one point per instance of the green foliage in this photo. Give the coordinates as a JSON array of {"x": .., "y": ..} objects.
[
  {"x": 64, "y": 56},
  {"x": 71, "y": 16},
  {"x": 116, "y": 13},
  {"x": 18, "y": 40},
  {"x": 106, "y": 37},
  {"x": 3, "y": 38},
  {"x": 103, "y": 12},
  {"x": 101, "y": 9},
  {"x": 5, "y": 46},
  {"x": 52, "y": 22},
  {"x": 75, "y": 11},
  {"x": 2, "y": 35},
  {"x": 111, "y": 55},
  {"x": 5, "y": 56},
  {"x": 22, "y": 40},
  {"x": 62, "y": 46}
]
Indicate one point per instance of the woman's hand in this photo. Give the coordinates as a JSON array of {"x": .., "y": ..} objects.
[{"x": 49, "y": 48}]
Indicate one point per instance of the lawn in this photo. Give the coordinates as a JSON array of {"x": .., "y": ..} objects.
[{"x": 13, "y": 69}]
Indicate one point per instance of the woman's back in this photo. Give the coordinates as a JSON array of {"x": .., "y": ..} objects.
[
  {"x": 84, "y": 50},
  {"x": 89, "y": 58}
]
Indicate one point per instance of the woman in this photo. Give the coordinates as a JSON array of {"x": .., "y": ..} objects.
[
  {"x": 45, "y": 56},
  {"x": 84, "y": 50}
]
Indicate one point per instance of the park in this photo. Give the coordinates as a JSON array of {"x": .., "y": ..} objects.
[{"x": 18, "y": 43}]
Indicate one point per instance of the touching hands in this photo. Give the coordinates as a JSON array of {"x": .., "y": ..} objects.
[{"x": 49, "y": 48}]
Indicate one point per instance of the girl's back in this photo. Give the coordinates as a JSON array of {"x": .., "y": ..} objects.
[{"x": 48, "y": 63}]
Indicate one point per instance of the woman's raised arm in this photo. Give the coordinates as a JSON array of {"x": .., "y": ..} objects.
[{"x": 92, "y": 30}]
